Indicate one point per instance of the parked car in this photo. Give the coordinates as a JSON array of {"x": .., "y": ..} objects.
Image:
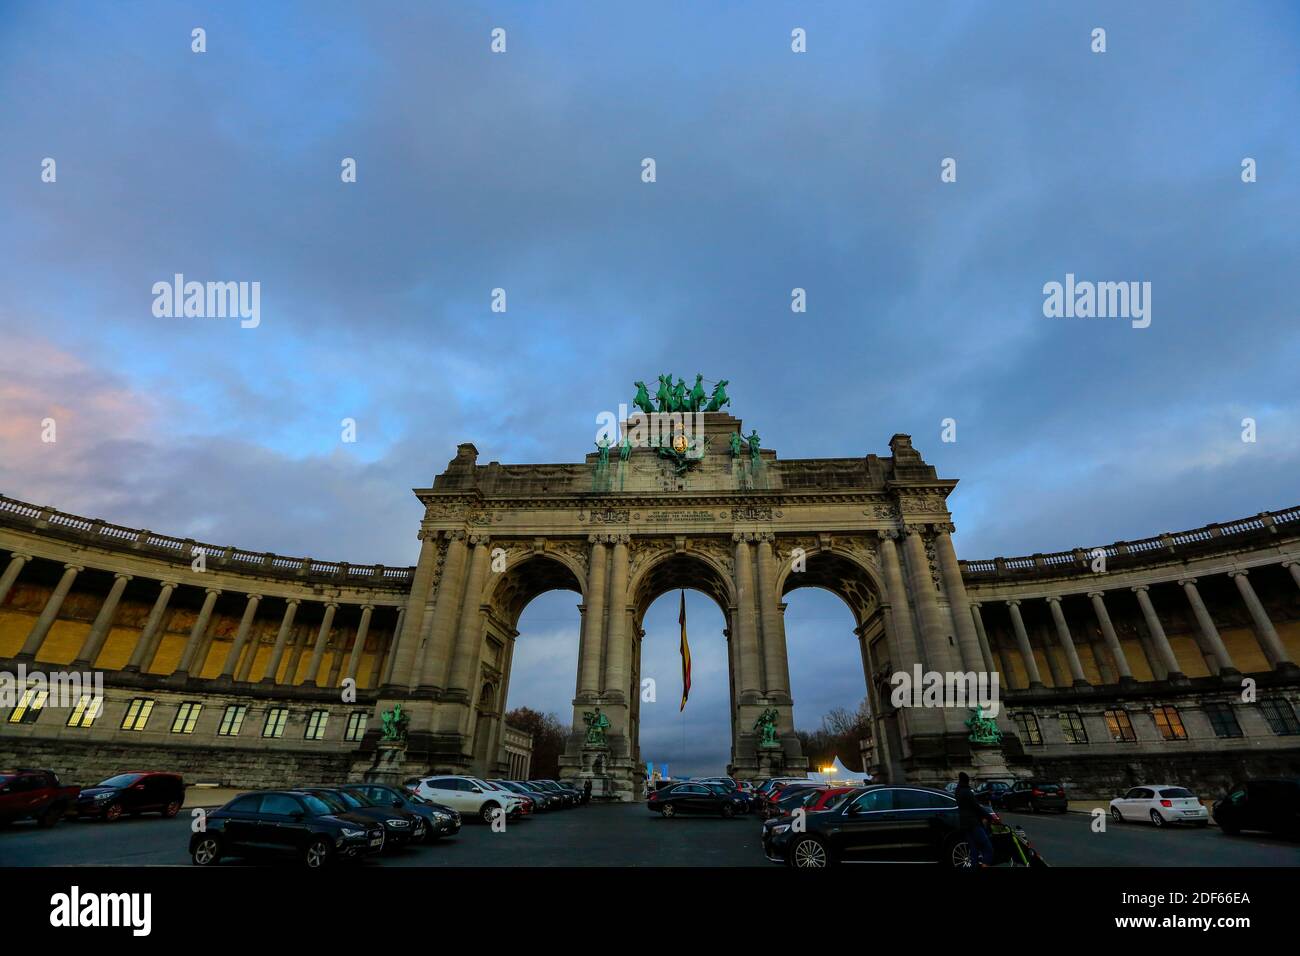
[
  {"x": 1035, "y": 796},
  {"x": 571, "y": 796},
  {"x": 747, "y": 800},
  {"x": 469, "y": 796},
  {"x": 769, "y": 803},
  {"x": 547, "y": 799},
  {"x": 1270, "y": 805},
  {"x": 791, "y": 799},
  {"x": 527, "y": 804},
  {"x": 439, "y": 821},
  {"x": 881, "y": 823},
  {"x": 133, "y": 793},
  {"x": 36, "y": 794},
  {"x": 1160, "y": 803},
  {"x": 991, "y": 792},
  {"x": 541, "y": 801},
  {"x": 691, "y": 797},
  {"x": 401, "y": 827},
  {"x": 284, "y": 823}
]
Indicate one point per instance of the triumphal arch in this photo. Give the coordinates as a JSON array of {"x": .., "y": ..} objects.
[{"x": 678, "y": 496}]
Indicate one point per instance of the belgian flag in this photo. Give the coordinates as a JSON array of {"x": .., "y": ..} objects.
[{"x": 686, "y": 655}]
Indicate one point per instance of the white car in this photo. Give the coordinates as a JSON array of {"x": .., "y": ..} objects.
[
  {"x": 468, "y": 795},
  {"x": 1160, "y": 803}
]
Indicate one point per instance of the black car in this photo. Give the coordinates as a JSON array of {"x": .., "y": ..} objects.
[
  {"x": 284, "y": 823},
  {"x": 439, "y": 820},
  {"x": 571, "y": 797},
  {"x": 554, "y": 800},
  {"x": 1035, "y": 796},
  {"x": 694, "y": 798},
  {"x": 400, "y": 826},
  {"x": 879, "y": 824},
  {"x": 1270, "y": 805},
  {"x": 991, "y": 792},
  {"x": 133, "y": 793},
  {"x": 541, "y": 800}
]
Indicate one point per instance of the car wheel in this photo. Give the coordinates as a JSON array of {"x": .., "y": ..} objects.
[
  {"x": 728, "y": 811},
  {"x": 487, "y": 810},
  {"x": 207, "y": 852},
  {"x": 317, "y": 854},
  {"x": 50, "y": 817},
  {"x": 668, "y": 810},
  {"x": 172, "y": 809},
  {"x": 1156, "y": 819},
  {"x": 809, "y": 854},
  {"x": 113, "y": 811},
  {"x": 959, "y": 855},
  {"x": 1116, "y": 815}
]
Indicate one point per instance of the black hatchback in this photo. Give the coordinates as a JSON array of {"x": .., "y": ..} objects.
[
  {"x": 401, "y": 827},
  {"x": 439, "y": 820},
  {"x": 127, "y": 794},
  {"x": 879, "y": 824},
  {"x": 1035, "y": 796},
  {"x": 284, "y": 823}
]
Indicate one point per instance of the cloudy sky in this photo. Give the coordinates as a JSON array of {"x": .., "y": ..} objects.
[{"x": 522, "y": 171}]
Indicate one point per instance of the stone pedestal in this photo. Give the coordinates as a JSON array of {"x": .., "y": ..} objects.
[
  {"x": 988, "y": 763},
  {"x": 388, "y": 765}
]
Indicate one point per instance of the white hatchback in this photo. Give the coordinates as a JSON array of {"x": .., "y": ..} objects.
[
  {"x": 1159, "y": 803},
  {"x": 469, "y": 795}
]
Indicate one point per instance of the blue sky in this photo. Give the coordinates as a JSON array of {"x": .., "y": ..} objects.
[{"x": 522, "y": 171}]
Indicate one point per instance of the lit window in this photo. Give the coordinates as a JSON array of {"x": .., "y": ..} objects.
[
  {"x": 356, "y": 728},
  {"x": 1121, "y": 728},
  {"x": 232, "y": 720},
  {"x": 88, "y": 708},
  {"x": 29, "y": 706},
  {"x": 1169, "y": 723},
  {"x": 316, "y": 721},
  {"x": 275, "y": 719},
  {"x": 137, "y": 713},
  {"x": 1028, "y": 724},
  {"x": 1073, "y": 729},
  {"x": 186, "y": 716}
]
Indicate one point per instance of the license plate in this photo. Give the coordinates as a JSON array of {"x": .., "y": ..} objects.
[{"x": 377, "y": 840}]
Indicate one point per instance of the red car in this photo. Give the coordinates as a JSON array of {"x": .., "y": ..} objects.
[
  {"x": 783, "y": 797},
  {"x": 34, "y": 793}
]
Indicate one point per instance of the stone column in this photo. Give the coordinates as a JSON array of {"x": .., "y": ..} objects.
[
  {"x": 433, "y": 672},
  {"x": 249, "y": 657},
  {"x": 469, "y": 640},
  {"x": 943, "y": 656},
  {"x": 616, "y": 645},
  {"x": 390, "y": 653},
  {"x": 751, "y": 662},
  {"x": 968, "y": 640},
  {"x": 776, "y": 664},
  {"x": 281, "y": 640},
  {"x": 41, "y": 629},
  {"x": 1067, "y": 643},
  {"x": 322, "y": 638},
  {"x": 1265, "y": 633},
  {"x": 986, "y": 649},
  {"x": 1022, "y": 642},
  {"x": 906, "y": 649},
  {"x": 241, "y": 637},
  {"x": 1157, "y": 632},
  {"x": 12, "y": 570},
  {"x": 147, "y": 644},
  {"x": 1209, "y": 633},
  {"x": 405, "y": 670},
  {"x": 1111, "y": 638},
  {"x": 94, "y": 641},
  {"x": 591, "y": 640},
  {"x": 197, "y": 633},
  {"x": 1292, "y": 566},
  {"x": 359, "y": 642}
]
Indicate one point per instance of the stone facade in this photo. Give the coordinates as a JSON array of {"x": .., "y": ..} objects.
[{"x": 1171, "y": 622}]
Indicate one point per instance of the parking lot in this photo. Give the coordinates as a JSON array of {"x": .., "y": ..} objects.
[{"x": 626, "y": 835}]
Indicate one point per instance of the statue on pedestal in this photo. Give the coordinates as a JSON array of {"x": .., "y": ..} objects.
[
  {"x": 394, "y": 723},
  {"x": 753, "y": 445},
  {"x": 597, "y": 723},
  {"x": 766, "y": 727},
  {"x": 719, "y": 397},
  {"x": 983, "y": 730},
  {"x": 642, "y": 400}
]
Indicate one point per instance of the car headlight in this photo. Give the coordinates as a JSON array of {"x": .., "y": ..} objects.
[
  {"x": 780, "y": 828},
  {"x": 441, "y": 817},
  {"x": 103, "y": 796},
  {"x": 397, "y": 824},
  {"x": 353, "y": 834}
]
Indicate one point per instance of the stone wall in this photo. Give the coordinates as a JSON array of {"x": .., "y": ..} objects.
[{"x": 1207, "y": 773}]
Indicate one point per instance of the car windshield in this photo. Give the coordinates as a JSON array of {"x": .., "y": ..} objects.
[
  {"x": 1176, "y": 792},
  {"x": 833, "y": 802},
  {"x": 121, "y": 780},
  {"x": 316, "y": 806},
  {"x": 334, "y": 803},
  {"x": 1048, "y": 787},
  {"x": 355, "y": 799},
  {"x": 483, "y": 784}
]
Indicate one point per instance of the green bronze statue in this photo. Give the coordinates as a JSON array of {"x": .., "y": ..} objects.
[
  {"x": 642, "y": 400},
  {"x": 753, "y": 444},
  {"x": 625, "y": 448},
  {"x": 983, "y": 730},
  {"x": 736, "y": 444},
  {"x": 665, "y": 395},
  {"x": 766, "y": 728},
  {"x": 603, "y": 444},
  {"x": 597, "y": 723},
  {"x": 719, "y": 397},
  {"x": 698, "y": 397},
  {"x": 679, "y": 396},
  {"x": 394, "y": 723}
]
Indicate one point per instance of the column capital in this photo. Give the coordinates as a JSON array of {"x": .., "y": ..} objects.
[
  {"x": 944, "y": 528},
  {"x": 293, "y": 602},
  {"x": 1285, "y": 564},
  {"x": 739, "y": 537},
  {"x": 1015, "y": 602},
  {"x": 123, "y": 576},
  {"x": 456, "y": 534},
  {"x": 74, "y": 567},
  {"x": 1186, "y": 581},
  {"x": 913, "y": 529},
  {"x": 1097, "y": 594},
  {"x": 621, "y": 539},
  {"x": 367, "y": 607},
  {"x": 478, "y": 540},
  {"x": 253, "y": 596},
  {"x": 1053, "y": 599},
  {"x": 1140, "y": 588},
  {"x": 24, "y": 556},
  {"x": 1239, "y": 573},
  {"x": 332, "y": 604},
  {"x": 976, "y": 604},
  {"x": 594, "y": 539},
  {"x": 213, "y": 591}
]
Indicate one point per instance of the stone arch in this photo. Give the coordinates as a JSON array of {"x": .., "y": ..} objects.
[
  {"x": 528, "y": 575},
  {"x": 671, "y": 569},
  {"x": 846, "y": 574}
]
